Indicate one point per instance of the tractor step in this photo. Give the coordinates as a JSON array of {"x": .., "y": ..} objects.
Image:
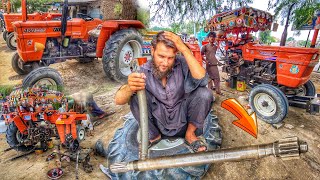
[{"x": 309, "y": 103}]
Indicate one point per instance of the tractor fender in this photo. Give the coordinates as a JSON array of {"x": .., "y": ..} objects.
[
  {"x": 22, "y": 127},
  {"x": 110, "y": 27}
]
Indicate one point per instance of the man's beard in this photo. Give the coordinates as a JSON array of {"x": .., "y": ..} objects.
[{"x": 157, "y": 73}]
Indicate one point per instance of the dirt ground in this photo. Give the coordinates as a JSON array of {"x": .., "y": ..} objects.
[{"x": 91, "y": 76}]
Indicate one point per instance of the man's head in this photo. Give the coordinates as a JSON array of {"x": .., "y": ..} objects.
[
  {"x": 211, "y": 36},
  {"x": 163, "y": 53}
]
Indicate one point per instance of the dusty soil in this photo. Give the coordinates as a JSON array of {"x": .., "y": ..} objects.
[{"x": 91, "y": 76}]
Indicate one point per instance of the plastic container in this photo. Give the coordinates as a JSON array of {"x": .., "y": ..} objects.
[{"x": 241, "y": 86}]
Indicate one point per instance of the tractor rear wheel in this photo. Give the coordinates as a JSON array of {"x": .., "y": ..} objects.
[
  {"x": 43, "y": 76},
  {"x": 270, "y": 103},
  {"x": 123, "y": 47},
  {"x": 14, "y": 137},
  {"x": 11, "y": 41},
  {"x": 15, "y": 64},
  {"x": 308, "y": 89}
]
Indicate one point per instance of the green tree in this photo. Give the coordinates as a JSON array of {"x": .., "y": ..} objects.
[
  {"x": 192, "y": 10},
  {"x": 32, "y": 5},
  {"x": 298, "y": 12},
  {"x": 290, "y": 39},
  {"x": 266, "y": 38}
]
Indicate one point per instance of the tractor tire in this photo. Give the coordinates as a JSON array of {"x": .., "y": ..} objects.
[
  {"x": 14, "y": 63},
  {"x": 269, "y": 103},
  {"x": 11, "y": 41},
  {"x": 81, "y": 133},
  {"x": 124, "y": 147},
  {"x": 4, "y": 35},
  {"x": 12, "y": 135},
  {"x": 43, "y": 76},
  {"x": 122, "y": 47},
  {"x": 310, "y": 88}
]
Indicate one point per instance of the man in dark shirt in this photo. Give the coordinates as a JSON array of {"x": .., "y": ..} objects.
[
  {"x": 208, "y": 53},
  {"x": 178, "y": 101}
]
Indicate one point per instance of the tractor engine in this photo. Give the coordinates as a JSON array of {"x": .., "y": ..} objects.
[
  {"x": 252, "y": 72},
  {"x": 77, "y": 48},
  {"x": 40, "y": 131}
]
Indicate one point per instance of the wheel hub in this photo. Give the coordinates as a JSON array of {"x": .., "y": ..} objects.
[{"x": 265, "y": 104}]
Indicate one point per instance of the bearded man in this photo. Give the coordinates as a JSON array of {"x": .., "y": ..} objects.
[{"x": 177, "y": 98}]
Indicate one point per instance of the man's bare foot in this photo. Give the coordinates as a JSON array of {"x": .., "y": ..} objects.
[{"x": 191, "y": 139}]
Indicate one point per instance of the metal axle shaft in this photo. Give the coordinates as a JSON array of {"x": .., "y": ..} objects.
[{"x": 284, "y": 148}]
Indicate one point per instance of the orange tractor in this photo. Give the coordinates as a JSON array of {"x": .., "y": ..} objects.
[
  {"x": 276, "y": 74},
  {"x": 9, "y": 18},
  {"x": 36, "y": 115},
  {"x": 41, "y": 43}
]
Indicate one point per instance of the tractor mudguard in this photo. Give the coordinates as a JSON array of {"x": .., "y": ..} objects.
[{"x": 22, "y": 127}]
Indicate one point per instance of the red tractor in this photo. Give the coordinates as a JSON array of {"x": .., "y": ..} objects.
[
  {"x": 276, "y": 74},
  {"x": 41, "y": 43},
  {"x": 9, "y": 18}
]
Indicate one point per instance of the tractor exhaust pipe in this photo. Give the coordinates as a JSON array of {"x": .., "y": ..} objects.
[
  {"x": 285, "y": 148},
  {"x": 24, "y": 10}
]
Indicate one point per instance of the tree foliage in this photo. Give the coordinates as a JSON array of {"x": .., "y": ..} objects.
[
  {"x": 302, "y": 12},
  {"x": 266, "y": 38},
  {"x": 192, "y": 10},
  {"x": 32, "y": 5}
]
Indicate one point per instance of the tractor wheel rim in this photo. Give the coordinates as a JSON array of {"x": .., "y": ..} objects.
[
  {"x": 13, "y": 42},
  {"x": 130, "y": 51},
  {"x": 47, "y": 82},
  {"x": 265, "y": 104},
  {"x": 81, "y": 134},
  {"x": 20, "y": 137}
]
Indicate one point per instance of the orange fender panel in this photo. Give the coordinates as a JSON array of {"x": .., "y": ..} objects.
[{"x": 20, "y": 124}]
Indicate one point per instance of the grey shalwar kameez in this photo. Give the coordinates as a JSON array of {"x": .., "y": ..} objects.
[
  {"x": 212, "y": 65},
  {"x": 183, "y": 100}
]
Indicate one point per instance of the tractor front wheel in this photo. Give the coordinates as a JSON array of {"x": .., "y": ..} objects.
[
  {"x": 270, "y": 103},
  {"x": 43, "y": 76},
  {"x": 15, "y": 64},
  {"x": 11, "y": 41},
  {"x": 15, "y": 138},
  {"x": 121, "y": 49}
]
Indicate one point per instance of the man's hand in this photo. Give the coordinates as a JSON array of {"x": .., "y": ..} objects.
[
  {"x": 177, "y": 41},
  {"x": 136, "y": 82}
]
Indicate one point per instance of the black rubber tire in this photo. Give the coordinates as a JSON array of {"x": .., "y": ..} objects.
[
  {"x": 12, "y": 138},
  {"x": 11, "y": 37},
  {"x": 14, "y": 63},
  {"x": 2, "y": 24},
  {"x": 112, "y": 51},
  {"x": 281, "y": 101},
  {"x": 124, "y": 147},
  {"x": 40, "y": 73},
  {"x": 4, "y": 35},
  {"x": 310, "y": 88}
]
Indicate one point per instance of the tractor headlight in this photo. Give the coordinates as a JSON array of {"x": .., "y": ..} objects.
[
  {"x": 314, "y": 56},
  {"x": 38, "y": 47}
]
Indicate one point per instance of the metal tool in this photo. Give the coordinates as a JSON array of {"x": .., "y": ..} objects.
[{"x": 289, "y": 147}]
